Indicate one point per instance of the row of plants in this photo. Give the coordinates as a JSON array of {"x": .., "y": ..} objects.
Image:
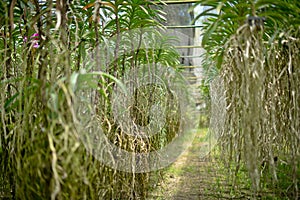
[
  {"x": 252, "y": 53},
  {"x": 49, "y": 50}
]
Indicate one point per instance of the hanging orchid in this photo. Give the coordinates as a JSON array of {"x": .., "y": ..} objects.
[{"x": 34, "y": 38}]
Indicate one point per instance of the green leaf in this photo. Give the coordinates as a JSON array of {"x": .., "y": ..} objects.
[
  {"x": 73, "y": 80},
  {"x": 9, "y": 101},
  {"x": 90, "y": 80}
]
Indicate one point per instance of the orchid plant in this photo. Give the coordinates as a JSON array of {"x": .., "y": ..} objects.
[{"x": 34, "y": 39}]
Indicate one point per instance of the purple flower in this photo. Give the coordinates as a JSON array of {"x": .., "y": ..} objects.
[
  {"x": 36, "y": 45},
  {"x": 35, "y": 35},
  {"x": 34, "y": 38}
]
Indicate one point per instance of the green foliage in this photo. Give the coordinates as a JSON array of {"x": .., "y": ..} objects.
[
  {"x": 258, "y": 64},
  {"x": 40, "y": 149},
  {"x": 223, "y": 18}
]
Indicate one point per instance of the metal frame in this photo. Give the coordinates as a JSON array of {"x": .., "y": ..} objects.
[{"x": 178, "y": 2}]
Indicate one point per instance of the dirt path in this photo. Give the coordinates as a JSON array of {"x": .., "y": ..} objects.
[
  {"x": 194, "y": 177},
  {"x": 191, "y": 177}
]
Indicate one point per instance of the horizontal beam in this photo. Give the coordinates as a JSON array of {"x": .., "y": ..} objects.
[
  {"x": 187, "y": 47},
  {"x": 188, "y": 67},
  {"x": 184, "y": 26},
  {"x": 179, "y": 2}
]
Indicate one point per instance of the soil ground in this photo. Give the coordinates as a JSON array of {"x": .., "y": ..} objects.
[
  {"x": 191, "y": 177},
  {"x": 196, "y": 177}
]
